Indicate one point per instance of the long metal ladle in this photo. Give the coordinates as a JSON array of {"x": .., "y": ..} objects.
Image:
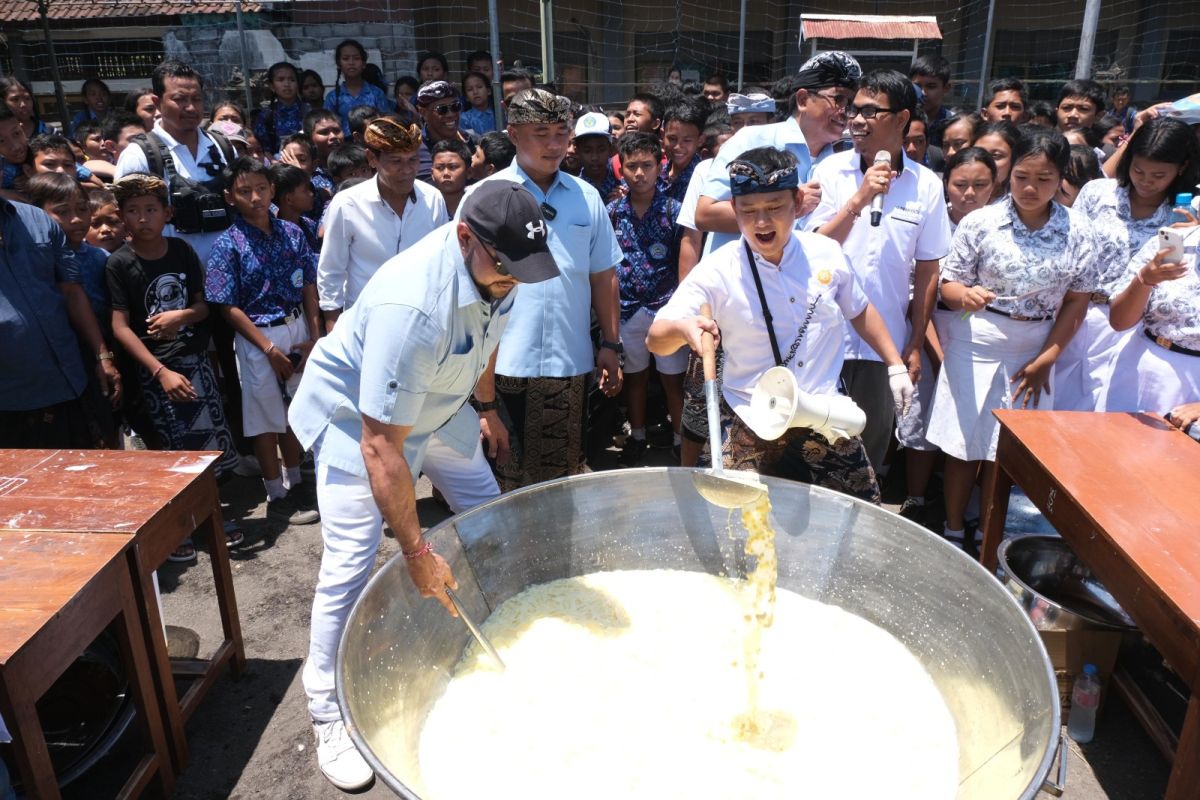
[
  {"x": 721, "y": 488},
  {"x": 474, "y": 629}
]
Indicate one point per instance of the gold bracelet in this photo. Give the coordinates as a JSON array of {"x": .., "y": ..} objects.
[{"x": 105, "y": 355}]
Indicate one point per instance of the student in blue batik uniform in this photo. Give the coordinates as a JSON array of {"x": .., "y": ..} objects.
[
  {"x": 262, "y": 276},
  {"x": 682, "y": 127},
  {"x": 350, "y": 89},
  {"x": 644, "y": 222},
  {"x": 284, "y": 114}
]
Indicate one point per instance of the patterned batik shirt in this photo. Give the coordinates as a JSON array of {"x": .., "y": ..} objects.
[
  {"x": 340, "y": 101},
  {"x": 262, "y": 275},
  {"x": 1118, "y": 235},
  {"x": 648, "y": 273},
  {"x": 481, "y": 122},
  {"x": 323, "y": 192},
  {"x": 1173, "y": 310},
  {"x": 1029, "y": 270},
  {"x": 276, "y": 122},
  {"x": 678, "y": 189}
]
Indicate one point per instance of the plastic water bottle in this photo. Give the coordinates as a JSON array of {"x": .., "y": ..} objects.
[
  {"x": 1085, "y": 699},
  {"x": 1183, "y": 202}
]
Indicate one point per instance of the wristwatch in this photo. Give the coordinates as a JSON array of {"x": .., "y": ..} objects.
[
  {"x": 616, "y": 347},
  {"x": 481, "y": 407}
]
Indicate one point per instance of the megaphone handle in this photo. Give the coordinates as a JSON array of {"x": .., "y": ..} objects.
[{"x": 708, "y": 350}]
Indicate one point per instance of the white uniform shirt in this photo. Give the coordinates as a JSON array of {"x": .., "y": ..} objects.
[
  {"x": 189, "y": 166},
  {"x": 1105, "y": 203},
  {"x": 362, "y": 231},
  {"x": 915, "y": 227},
  {"x": 1173, "y": 310},
  {"x": 691, "y": 198},
  {"x": 813, "y": 274}
]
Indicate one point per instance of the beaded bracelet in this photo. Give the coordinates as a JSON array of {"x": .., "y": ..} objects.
[
  {"x": 424, "y": 549},
  {"x": 161, "y": 367}
]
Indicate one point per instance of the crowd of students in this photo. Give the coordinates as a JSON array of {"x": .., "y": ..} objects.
[{"x": 202, "y": 255}]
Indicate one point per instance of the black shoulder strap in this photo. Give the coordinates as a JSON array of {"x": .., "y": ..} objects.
[
  {"x": 224, "y": 145},
  {"x": 762, "y": 298},
  {"x": 155, "y": 152}
]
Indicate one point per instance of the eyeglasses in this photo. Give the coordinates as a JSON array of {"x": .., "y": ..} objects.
[
  {"x": 839, "y": 102},
  {"x": 501, "y": 270},
  {"x": 448, "y": 108},
  {"x": 867, "y": 112}
]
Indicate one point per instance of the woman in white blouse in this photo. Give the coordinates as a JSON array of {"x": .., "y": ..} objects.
[
  {"x": 1160, "y": 160},
  {"x": 1020, "y": 272}
]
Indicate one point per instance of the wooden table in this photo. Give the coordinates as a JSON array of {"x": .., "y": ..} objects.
[
  {"x": 58, "y": 592},
  {"x": 158, "y": 498},
  {"x": 1123, "y": 490}
]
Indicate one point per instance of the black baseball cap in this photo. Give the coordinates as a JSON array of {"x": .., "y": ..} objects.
[{"x": 507, "y": 218}]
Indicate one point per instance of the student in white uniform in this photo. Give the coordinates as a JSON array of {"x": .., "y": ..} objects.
[
  {"x": 1159, "y": 367},
  {"x": 799, "y": 287},
  {"x": 970, "y": 176},
  {"x": 373, "y": 221},
  {"x": 914, "y": 229},
  {"x": 1161, "y": 160},
  {"x": 1020, "y": 273}
]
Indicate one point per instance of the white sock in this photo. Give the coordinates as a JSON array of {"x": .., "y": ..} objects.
[
  {"x": 638, "y": 433},
  {"x": 291, "y": 476},
  {"x": 676, "y": 439},
  {"x": 916, "y": 501},
  {"x": 275, "y": 488},
  {"x": 951, "y": 533}
]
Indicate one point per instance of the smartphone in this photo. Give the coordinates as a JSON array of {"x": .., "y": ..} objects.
[{"x": 1171, "y": 239}]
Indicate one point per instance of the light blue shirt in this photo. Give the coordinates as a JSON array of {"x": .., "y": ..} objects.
[
  {"x": 409, "y": 353},
  {"x": 550, "y": 333},
  {"x": 784, "y": 135}
]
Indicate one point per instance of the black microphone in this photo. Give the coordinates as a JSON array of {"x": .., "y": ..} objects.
[{"x": 882, "y": 157}]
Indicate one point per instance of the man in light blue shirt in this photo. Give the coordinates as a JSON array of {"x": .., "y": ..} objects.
[
  {"x": 546, "y": 354},
  {"x": 399, "y": 367},
  {"x": 825, "y": 86}
]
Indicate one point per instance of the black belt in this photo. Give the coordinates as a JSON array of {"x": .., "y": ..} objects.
[
  {"x": 943, "y": 306},
  {"x": 1017, "y": 317},
  {"x": 284, "y": 320},
  {"x": 1167, "y": 344}
]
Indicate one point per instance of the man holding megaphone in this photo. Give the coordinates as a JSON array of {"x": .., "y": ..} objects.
[{"x": 780, "y": 299}]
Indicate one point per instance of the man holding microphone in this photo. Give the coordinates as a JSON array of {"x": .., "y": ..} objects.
[
  {"x": 907, "y": 225},
  {"x": 399, "y": 367}
]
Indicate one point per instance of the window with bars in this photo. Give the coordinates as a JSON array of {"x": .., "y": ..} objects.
[{"x": 107, "y": 59}]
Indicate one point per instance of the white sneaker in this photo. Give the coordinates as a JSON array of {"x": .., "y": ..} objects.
[{"x": 338, "y": 758}]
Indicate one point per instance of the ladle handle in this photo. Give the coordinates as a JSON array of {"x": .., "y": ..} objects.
[{"x": 708, "y": 348}]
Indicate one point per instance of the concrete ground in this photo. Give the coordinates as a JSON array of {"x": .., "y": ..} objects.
[{"x": 251, "y": 738}]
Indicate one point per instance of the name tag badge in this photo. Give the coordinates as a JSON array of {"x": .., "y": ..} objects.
[
  {"x": 911, "y": 216},
  {"x": 658, "y": 251}
]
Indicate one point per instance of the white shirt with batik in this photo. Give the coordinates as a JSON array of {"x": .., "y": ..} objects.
[
  {"x": 1029, "y": 270},
  {"x": 1118, "y": 235},
  {"x": 1173, "y": 310}
]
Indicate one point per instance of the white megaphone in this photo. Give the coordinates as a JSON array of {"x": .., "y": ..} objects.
[{"x": 778, "y": 404}]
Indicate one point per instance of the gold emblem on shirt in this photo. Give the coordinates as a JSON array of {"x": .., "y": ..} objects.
[{"x": 824, "y": 277}]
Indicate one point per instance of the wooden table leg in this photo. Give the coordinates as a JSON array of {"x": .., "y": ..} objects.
[
  {"x": 150, "y": 716},
  {"x": 29, "y": 745},
  {"x": 1185, "y": 773},
  {"x": 995, "y": 508},
  {"x": 155, "y": 637},
  {"x": 223, "y": 581}
]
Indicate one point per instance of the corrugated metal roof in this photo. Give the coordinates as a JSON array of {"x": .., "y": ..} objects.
[
  {"x": 27, "y": 10},
  {"x": 836, "y": 26}
]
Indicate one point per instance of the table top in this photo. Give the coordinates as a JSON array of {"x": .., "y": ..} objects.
[
  {"x": 93, "y": 490},
  {"x": 1137, "y": 479},
  {"x": 41, "y": 574}
]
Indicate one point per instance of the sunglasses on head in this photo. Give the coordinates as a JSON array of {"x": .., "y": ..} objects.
[
  {"x": 448, "y": 108},
  {"x": 746, "y": 178}
]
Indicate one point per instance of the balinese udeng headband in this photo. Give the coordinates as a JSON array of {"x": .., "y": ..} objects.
[
  {"x": 388, "y": 135},
  {"x": 750, "y": 104},
  {"x": 746, "y": 178},
  {"x": 139, "y": 184},
  {"x": 434, "y": 91},
  {"x": 539, "y": 107},
  {"x": 833, "y": 68}
]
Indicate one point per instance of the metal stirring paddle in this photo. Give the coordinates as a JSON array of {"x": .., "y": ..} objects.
[{"x": 474, "y": 629}]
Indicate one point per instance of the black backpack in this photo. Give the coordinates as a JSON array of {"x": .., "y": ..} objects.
[{"x": 198, "y": 207}]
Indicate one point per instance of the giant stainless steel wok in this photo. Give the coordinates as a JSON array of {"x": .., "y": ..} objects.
[{"x": 398, "y": 649}]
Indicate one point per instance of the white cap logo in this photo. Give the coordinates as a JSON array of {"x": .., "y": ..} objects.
[{"x": 535, "y": 229}]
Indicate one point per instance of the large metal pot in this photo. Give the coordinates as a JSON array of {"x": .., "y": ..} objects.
[{"x": 398, "y": 650}]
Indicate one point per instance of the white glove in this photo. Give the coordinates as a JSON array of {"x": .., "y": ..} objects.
[{"x": 902, "y": 388}]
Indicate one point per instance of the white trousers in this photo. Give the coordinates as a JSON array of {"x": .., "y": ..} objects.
[{"x": 351, "y": 526}]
